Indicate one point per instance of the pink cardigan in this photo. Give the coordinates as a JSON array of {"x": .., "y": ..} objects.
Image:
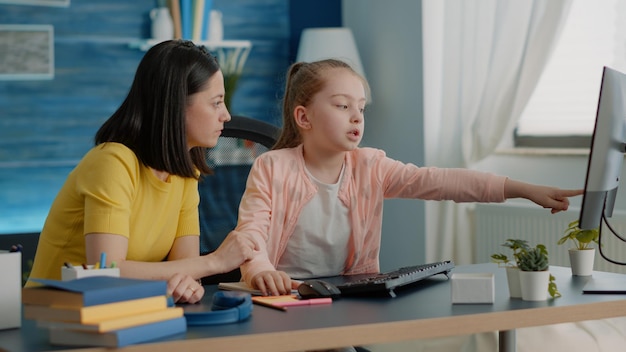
[{"x": 278, "y": 187}]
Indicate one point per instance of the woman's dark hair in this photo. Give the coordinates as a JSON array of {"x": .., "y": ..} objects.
[
  {"x": 151, "y": 120},
  {"x": 303, "y": 81}
]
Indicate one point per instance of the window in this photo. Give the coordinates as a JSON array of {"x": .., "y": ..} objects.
[{"x": 562, "y": 110}]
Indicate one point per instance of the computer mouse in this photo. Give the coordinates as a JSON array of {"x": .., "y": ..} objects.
[{"x": 316, "y": 288}]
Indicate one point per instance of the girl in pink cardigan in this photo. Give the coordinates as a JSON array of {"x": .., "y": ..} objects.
[{"x": 315, "y": 202}]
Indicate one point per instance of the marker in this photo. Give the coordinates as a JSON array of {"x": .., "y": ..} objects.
[
  {"x": 103, "y": 260},
  {"x": 68, "y": 265},
  {"x": 84, "y": 266}
]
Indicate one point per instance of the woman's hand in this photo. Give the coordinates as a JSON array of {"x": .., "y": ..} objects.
[
  {"x": 236, "y": 249},
  {"x": 184, "y": 289},
  {"x": 273, "y": 283}
]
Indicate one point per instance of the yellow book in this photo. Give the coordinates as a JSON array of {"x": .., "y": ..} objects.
[
  {"x": 97, "y": 313},
  {"x": 116, "y": 323},
  {"x": 198, "y": 15}
]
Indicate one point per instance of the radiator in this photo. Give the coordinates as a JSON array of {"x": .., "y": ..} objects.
[{"x": 497, "y": 223}]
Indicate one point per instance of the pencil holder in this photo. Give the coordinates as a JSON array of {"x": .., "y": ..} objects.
[
  {"x": 11, "y": 290},
  {"x": 78, "y": 272}
]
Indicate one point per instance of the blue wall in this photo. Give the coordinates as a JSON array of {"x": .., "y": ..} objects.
[{"x": 46, "y": 126}]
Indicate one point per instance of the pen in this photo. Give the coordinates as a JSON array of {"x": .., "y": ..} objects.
[
  {"x": 103, "y": 260},
  {"x": 84, "y": 266},
  {"x": 269, "y": 305},
  {"x": 68, "y": 265}
]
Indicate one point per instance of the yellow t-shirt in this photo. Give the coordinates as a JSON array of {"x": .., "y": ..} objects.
[{"x": 111, "y": 191}]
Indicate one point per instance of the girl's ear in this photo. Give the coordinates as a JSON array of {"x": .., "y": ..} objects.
[{"x": 301, "y": 118}]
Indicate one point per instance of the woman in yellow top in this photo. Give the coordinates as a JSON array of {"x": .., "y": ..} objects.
[{"x": 134, "y": 196}]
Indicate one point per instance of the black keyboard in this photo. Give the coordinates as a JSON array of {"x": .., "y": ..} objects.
[{"x": 386, "y": 283}]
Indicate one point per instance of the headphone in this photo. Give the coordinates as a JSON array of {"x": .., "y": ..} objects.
[{"x": 226, "y": 307}]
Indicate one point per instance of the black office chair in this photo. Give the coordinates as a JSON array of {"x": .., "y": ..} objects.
[{"x": 242, "y": 140}]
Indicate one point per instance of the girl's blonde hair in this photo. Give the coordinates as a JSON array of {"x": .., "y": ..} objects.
[{"x": 304, "y": 80}]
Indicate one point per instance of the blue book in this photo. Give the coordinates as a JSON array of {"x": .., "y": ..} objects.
[
  {"x": 206, "y": 17},
  {"x": 90, "y": 291},
  {"x": 119, "y": 338},
  {"x": 186, "y": 17}
]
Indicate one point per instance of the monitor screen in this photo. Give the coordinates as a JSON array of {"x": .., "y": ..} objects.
[{"x": 607, "y": 151}]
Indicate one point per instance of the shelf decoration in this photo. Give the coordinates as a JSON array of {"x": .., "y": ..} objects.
[
  {"x": 232, "y": 63},
  {"x": 196, "y": 20}
]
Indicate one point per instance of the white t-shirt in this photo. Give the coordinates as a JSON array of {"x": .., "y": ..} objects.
[{"x": 319, "y": 245}]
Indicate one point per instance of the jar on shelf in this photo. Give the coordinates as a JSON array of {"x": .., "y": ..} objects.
[{"x": 162, "y": 27}]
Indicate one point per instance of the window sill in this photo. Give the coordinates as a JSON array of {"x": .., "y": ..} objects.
[
  {"x": 552, "y": 142},
  {"x": 527, "y": 151}
]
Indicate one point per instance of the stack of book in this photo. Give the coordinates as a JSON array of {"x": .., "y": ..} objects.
[
  {"x": 103, "y": 311},
  {"x": 191, "y": 18}
]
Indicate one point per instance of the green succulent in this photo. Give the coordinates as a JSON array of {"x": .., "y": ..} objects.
[{"x": 534, "y": 259}]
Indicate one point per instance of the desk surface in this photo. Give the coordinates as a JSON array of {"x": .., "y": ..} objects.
[{"x": 422, "y": 311}]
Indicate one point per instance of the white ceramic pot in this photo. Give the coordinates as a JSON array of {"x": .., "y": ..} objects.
[
  {"x": 581, "y": 261},
  {"x": 534, "y": 285},
  {"x": 512, "y": 277},
  {"x": 162, "y": 27},
  {"x": 216, "y": 27}
]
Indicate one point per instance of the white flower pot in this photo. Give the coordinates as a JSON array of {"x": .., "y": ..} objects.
[
  {"x": 534, "y": 285},
  {"x": 581, "y": 261},
  {"x": 512, "y": 277}
]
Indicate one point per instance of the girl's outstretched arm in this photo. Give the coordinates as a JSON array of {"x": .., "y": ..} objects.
[{"x": 552, "y": 198}]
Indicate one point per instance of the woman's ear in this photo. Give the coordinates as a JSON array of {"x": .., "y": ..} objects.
[{"x": 301, "y": 118}]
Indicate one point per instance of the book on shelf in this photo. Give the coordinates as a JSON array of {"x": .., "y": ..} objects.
[
  {"x": 97, "y": 313},
  {"x": 174, "y": 6},
  {"x": 198, "y": 16},
  {"x": 186, "y": 18},
  {"x": 206, "y": 17},
  {"x": 91, "y": 291},
  {"x": 116, "y": 323},
  {"x": 119, "y": 338},
  {"x": 191, "y": 18}
]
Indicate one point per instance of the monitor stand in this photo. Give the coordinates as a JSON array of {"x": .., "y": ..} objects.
[{"x": 605, "y": 286}]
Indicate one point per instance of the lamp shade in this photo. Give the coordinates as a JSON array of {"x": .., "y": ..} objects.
[{"x": 329, "y": 43}]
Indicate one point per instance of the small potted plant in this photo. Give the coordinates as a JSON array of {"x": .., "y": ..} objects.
[
  {"x": 511, "y": 264},
  {"x": 535, "y": 279},
  {"x": 582, "y": 254}
]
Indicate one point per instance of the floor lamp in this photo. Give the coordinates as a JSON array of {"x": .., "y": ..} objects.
[{"x": 331, "y": 42}]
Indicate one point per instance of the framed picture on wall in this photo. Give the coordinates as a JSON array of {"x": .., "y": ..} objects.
[
  {"x": 57, "y": 3},
  {"x": 26, "y": 52}
]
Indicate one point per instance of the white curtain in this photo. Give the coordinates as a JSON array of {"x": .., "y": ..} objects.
[{"x": 482, "y": 60}]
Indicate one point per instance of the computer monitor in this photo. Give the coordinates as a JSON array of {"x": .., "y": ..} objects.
[{"x": 607, "y": 151}]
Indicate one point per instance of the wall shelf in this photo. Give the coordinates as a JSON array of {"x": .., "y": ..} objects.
[{"x": 145, "y": 44}]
